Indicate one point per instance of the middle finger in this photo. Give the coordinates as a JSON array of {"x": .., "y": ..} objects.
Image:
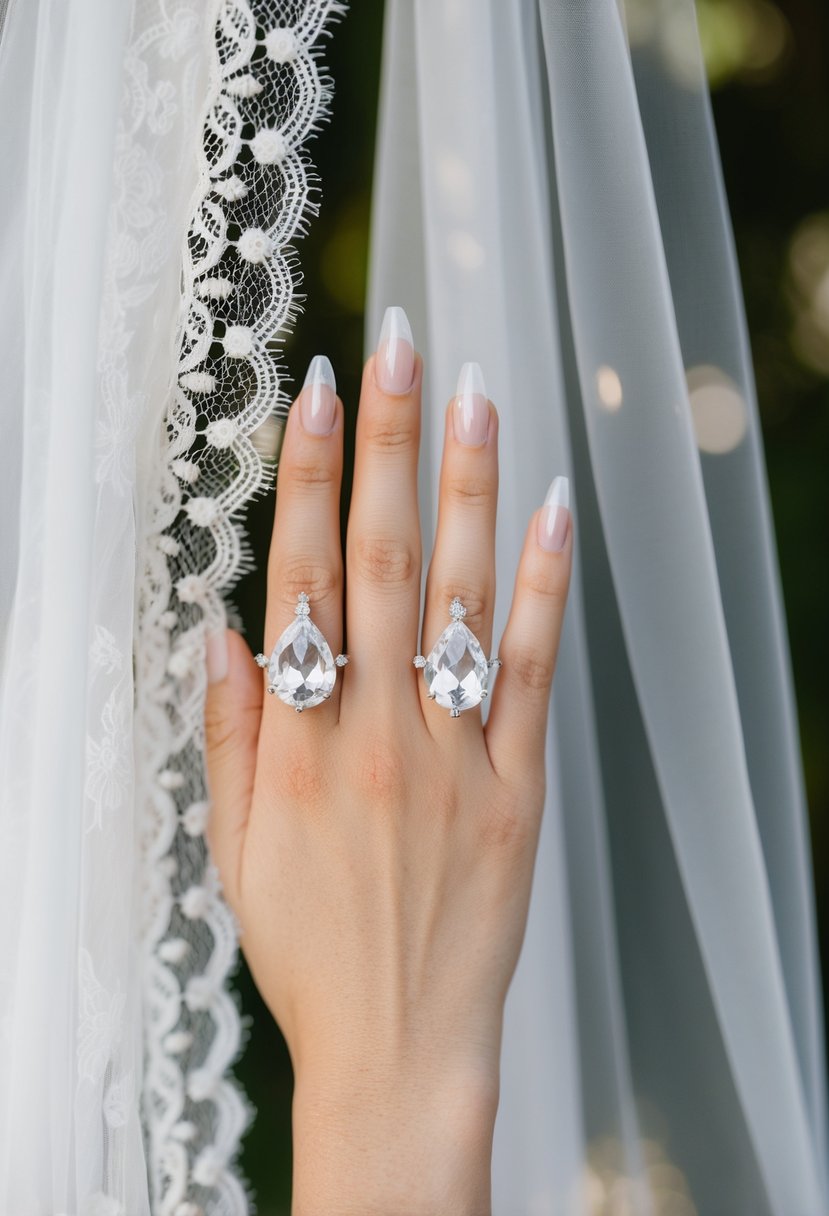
[{"x": 383, "y": 550}]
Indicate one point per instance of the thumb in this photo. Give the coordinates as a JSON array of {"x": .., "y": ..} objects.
[{"x": 232, "y": 710}]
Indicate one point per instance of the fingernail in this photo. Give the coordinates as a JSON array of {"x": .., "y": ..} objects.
[
  {"x": 216, "y": 656},
  {"x": 470, "y": 415},
  {"x": 394, "y": 364},
  {"x": 318, "y": 399},
  {"x": 554, "y": 519}
]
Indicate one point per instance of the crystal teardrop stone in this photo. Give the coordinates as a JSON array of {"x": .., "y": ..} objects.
[
  {"x": 301, "y": 669},
  {"x": 456, "y": 671}
]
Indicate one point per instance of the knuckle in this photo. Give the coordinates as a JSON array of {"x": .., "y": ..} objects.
[
  {"x": 469, "y": 490},
  {"x": 529, "y": 669},
  {"x": 391, "y": 430},
  {"x": 544, "y": 584},
  {"x": 295, "y": 575},
  {"x": 306, "y": 471},
  {"x": 384, "y": 560}
]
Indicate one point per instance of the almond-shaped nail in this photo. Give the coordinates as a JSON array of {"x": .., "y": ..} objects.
[
  {"x": 554, "y": 519},
  {"x": 394, "y": 362},
  {"x": 470, "y": 414},
  {"x": 216, "y": 656},
  {"x": 318, "y": 399}
]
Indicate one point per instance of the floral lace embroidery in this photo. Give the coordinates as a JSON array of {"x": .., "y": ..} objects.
[
  {"x": 108, "y": 768},
  {"x": 162, "y": 71},
  {"x": 239, "y": 277},
  {"x": 99, "y": 1025}
]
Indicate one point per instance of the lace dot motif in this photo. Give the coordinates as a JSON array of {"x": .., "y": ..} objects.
[{"x": 281, "y": 44}]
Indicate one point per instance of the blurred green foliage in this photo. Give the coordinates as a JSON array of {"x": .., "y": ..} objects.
[{"x": 768, "y": 66}]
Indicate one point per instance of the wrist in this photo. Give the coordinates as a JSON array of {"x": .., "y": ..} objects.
[{"x": 413, "y": 1140}]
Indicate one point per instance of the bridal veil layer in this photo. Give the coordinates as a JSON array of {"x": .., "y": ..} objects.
[
  {"x": 155, "y": 179},
  {"x": 547, "y": 201}
]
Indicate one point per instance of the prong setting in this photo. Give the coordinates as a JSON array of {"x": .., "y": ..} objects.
[
  {"x": 301, "y": 669},
  {"x": 456, "y": 670}
]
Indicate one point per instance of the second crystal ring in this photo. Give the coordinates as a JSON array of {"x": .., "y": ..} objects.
[
  {"x": 301, "y": 668},
  {"x": 457, "y": 671}
]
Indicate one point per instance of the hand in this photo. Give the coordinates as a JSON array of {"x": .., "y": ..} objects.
[{"x": 377, "y": 852}]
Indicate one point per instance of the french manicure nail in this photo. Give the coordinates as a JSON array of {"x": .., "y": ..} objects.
[
  {"x": 394, "y": 365},
  {"x": 471, "y": 411},
  {"x": 318, "y": 399},
  {"x": 554, "y": 519},
  {"x": 216, "y": 656}
]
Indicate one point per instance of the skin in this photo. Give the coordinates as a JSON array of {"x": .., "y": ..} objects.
[{"x": 377, "y": 853}]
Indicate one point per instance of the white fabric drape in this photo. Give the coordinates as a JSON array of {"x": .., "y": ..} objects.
[
  {"x": 548, "y": 201},
  {"x": 154, "y": 178},
  {"x": 94, "y": 207}
]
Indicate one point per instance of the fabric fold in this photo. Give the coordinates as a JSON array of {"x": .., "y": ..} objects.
[{"x": 568, "y": 229}]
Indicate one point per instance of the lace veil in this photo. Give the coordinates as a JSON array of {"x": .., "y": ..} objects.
[
  {"x": 155, "y": 178},
  {"x": 548, "y": 201}
]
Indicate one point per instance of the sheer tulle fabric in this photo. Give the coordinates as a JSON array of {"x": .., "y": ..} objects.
[
  {"x": 154, "y": 179},
  {"x": 548, "y": 201}
]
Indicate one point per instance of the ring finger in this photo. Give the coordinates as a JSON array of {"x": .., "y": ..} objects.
[{"x": 463, "y": 560}]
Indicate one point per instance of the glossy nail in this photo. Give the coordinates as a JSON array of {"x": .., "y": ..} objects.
[
  {"x": 394, "y": 364},
  {"x": 318, "y": 399},
  {"x": 470, "y": 414},
  {"x": 216, "y": 656},
  {"x": 554, "y": 519}
]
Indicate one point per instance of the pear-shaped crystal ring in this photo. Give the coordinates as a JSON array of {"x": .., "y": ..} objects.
[
  {"x": 457, "y": 671},
  {"x": 302, "y": 669}
]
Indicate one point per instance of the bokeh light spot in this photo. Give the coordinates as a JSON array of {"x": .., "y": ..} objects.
[
  {"x": 465, "y": 250},
  {"x": 456, "y": 182},
  {"x": 808, "y": 291},
  {"x": 609, "y": 388},
  {"x": 718, "y": 410}
]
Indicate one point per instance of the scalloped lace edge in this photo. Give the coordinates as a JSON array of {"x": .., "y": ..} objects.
[{"x": 180, "y": 598}]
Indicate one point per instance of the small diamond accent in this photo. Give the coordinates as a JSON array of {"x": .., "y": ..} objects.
[
  {"x": 457, "y": 610},
  {"x": 303, "y": 607},
  {"x": 341, "y": 660},
  {"x": 419, "y": 660},
  {"x": 261, "y": 660}
]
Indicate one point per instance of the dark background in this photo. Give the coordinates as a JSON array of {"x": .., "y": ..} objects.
[{"x": 768, "y": 67}]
